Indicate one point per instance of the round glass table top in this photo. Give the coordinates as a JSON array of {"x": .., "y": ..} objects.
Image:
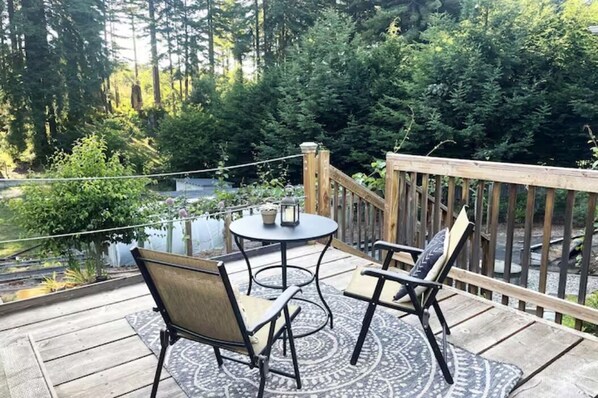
[{"x": 310, "y": 226}]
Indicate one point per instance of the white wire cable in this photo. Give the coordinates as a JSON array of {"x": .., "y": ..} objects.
[
  {"x": 205, "y": 215},
  {"x": 171, "y": 174}
]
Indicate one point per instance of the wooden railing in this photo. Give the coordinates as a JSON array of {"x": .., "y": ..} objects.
[
  {"x": 479, "y": 184},
  {"x": 502, "y": 199},
  {"x": 358, "y": 211}
]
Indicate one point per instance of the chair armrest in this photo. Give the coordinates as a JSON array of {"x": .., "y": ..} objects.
[
  {"x": 403, "y": 279},
  {"x": 275, "y": 309},
  {"x": 393, "y": 247}
]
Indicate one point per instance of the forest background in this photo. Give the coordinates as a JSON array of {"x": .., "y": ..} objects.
[{"x": 501, "y": 80}]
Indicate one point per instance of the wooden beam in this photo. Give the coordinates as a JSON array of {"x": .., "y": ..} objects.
[
  {"x": 340, "y": 245},
  {"x": 324, "y": 185},
  {"x": 309, "y": 175},
  {"x": 391, "y": 204},
  {"x": 543, "y": 176},
  {"x": 575, "y": 310},
  {"x": 341, "y": 178}
]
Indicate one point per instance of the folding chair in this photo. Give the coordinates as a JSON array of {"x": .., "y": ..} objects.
[
  {"x": 197, "y": 302},
  {"x": 380, "y": 286}
]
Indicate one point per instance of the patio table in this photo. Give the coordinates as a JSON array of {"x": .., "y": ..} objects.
[{"x": 311, "y": 227}]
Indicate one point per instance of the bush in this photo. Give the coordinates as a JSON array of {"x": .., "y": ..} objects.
[
  {"x": 190, "y": 140},
  {"x": 74, "y": 206}
]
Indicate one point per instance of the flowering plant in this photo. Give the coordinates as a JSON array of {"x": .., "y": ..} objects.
[{"x": 268, "y": 207}]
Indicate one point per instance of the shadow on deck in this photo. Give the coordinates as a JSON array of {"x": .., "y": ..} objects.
[{"x": 89, "y": 350}]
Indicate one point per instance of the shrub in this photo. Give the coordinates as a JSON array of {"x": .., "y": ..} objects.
[{"x": 74, "y": 206}]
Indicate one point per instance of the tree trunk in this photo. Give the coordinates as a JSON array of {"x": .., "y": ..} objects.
[
  {"x": 187, "y": 66},
  {"x": 154, "y": 51},
  {"x": 133, "y": 31},
  {"x": 256, "y": 6},
  {"x": 210, "y": 15},
  {"x": 107, "y": 91},
  {"x": 267, "y": 35},
  {"x": 37, "y": 70},
  {"x": 170, "y": 46}
]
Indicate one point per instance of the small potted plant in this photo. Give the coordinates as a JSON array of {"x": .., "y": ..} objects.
[{"x": 269, "y": 211}]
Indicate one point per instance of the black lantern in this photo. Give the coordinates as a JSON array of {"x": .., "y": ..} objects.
[{"x": 289, "y": 209}]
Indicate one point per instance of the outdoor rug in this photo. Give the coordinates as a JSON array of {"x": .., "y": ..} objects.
[{"x": 396, "y": 360}]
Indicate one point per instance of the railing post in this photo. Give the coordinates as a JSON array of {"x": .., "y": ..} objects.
[
  {"x": 228, "y": 239},
  {"x": 324, "y": 183},
  {"x": 188, "y": 238},
  {"x": 309, "y": 175},
  {"x": 391, "y": 202}
]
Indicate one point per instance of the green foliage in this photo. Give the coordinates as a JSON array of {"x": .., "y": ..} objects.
[
  {"x": 68, "y": 207},
  {"x": 592, "y": 302},
  {"x": 323, "y": 95},
  {"x": 376, "y": 180},
  {"x": 190, "y": 140},
  {"x": 124, "y": 138}
]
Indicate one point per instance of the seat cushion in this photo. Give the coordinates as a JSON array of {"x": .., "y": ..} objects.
[
  {"x": 255, "y": 308},
  {"x": 363, "y": 286},
  {"x": 428, "y": 264}
]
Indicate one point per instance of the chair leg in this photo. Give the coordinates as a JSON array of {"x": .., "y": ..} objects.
[
  {"x": 367, "y": 320},
  {"x": 292, "y": 347},
  {"x": 263, "y": 374},
  {"x": 218, "y": 356},
  {"x": 164, "y": 341},
  {"x": 438, "y": 354},
  {"x": 441, "y": 318}
]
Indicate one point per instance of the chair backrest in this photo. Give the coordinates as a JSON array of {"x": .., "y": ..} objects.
[
  {"x": 194, "y": 296},
  {"x": 458, "y": 235}
]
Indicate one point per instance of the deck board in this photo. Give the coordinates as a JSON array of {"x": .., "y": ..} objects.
[
  {"x": 456, "y": 309},
  {"x": 533, "y": 348},
  {"x": 85, "y": 339},
  {"x": 84, "y": 363},
  {"x": 89, "y": 349},
  {"x": 168, "y": 388},
  {"x": 487, "y": 329},
  {"x": 573, "y": 375}
]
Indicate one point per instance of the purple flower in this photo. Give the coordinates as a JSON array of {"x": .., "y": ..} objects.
[
  {"x": 183, "y": 213},
  {"x": 169, "y": 201}
]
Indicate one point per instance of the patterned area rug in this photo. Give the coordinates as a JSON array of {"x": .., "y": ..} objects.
[{"x": 396, "y": 360}]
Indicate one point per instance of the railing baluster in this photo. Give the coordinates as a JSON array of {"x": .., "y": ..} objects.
[
  {"x": 450, "y": 202},
  {"x": 413, "y": 211},
  {"x": 423, "y": 221},
  {"x": 372, "y": 229},
  {"x": 568, "y": 226},
  {"x": 366, "y": 227},
  {"x": 549, "y": 208},
  {"x": 512, "y": 205},
  {"x": 477, "y": 233},
  {"x": 352, "y": 220},
  {"x": 402, "y": 215},
  {"x": 335, "y": 203},
  {"x": 437, "y": 202},
  {"x": 344, "y": 215},
  {"x": 490, "y": 257},
  {"x": 527, "y": 239},
  {"x": 359, "y": 223},
  {"x": 465, "y": 256},
  {"x": 586, "y": 254}
]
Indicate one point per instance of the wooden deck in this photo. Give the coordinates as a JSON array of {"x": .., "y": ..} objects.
[{"x": 89, "y": 349}]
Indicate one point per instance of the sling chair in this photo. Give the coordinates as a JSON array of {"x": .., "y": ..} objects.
[
  {"x": 197, "y": 302},
  {"x": 413, "y": 293}
]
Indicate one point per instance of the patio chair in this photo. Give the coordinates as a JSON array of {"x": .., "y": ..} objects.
[
  {"x": 197, "y": 302},
  {"x": 413, "y": 293}
]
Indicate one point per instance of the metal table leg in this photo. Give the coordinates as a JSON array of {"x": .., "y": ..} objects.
[
  {"x": 318, "y": 280},
  {"x": 240, "y": 246}
]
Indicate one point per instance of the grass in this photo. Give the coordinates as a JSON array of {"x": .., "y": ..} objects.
[{"x": 8, "y": 231}]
